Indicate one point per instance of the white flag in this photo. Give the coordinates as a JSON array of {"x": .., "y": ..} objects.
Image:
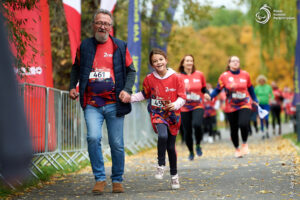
[
  {"x": 261, "y": 112},
  {"x": 108, "y": 5}
]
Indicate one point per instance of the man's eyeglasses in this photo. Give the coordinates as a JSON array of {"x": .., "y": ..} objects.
[{"x": 105, "y": 24}]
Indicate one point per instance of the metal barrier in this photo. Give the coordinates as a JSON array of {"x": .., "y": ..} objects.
[{"x": 58, "y": 128}]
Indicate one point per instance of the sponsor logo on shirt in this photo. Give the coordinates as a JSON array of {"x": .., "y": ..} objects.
[
  {"x": 230, "y": 79},
  {"x": 186, "y": 80},
  {"x": 107, "y": 55},
  {"x": 196, "y": 80},
  {"x": 170, "y": 89},
  {"x": 242, "y": 80}
]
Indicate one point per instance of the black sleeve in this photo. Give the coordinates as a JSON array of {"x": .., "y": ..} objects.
[
  {"x": 130, "y": 78},
  {"x": 75, "y": 72},
  {"x": 204, "y": 90}
]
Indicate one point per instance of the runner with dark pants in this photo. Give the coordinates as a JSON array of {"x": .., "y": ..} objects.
[
  {"x": 193, "y": 110},
  {"x": 276, "y": 107},
  {"x": 239, "y": 92}
]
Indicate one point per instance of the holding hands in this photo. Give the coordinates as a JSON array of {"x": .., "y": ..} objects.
[{"x": 125, "y": 96}]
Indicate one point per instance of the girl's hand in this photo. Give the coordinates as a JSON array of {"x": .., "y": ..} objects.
[
  {"x": 170, "y": 107},
  {"x": 124, "y": 96}
]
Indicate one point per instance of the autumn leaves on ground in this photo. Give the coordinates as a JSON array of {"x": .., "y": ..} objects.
[{"x": 271, "y": 171}]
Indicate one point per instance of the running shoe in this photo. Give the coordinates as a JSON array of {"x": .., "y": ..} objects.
[
  {"x": 191, "y": 156},
  {"x": 210, "y": 139},
  {"x": 245, "y": 149},
  {"x": 175, "y": 182},
  {"x": 199, "y": 151},
  {"x": 160, "y": 172},
  {"x": 238, "y": 153}
]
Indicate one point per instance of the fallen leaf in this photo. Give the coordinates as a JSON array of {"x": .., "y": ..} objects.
[{"x": 265, "y": 191}]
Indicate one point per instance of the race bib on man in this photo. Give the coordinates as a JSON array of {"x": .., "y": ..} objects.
[
  {"x": 238, "y": 95},
  {"x": 100, "y": 75}
]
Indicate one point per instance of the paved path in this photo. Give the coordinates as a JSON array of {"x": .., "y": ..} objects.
[{"x": 271, "y": 171}]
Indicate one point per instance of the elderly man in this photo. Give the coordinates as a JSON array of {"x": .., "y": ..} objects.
[{"x": 106, "y": 74}]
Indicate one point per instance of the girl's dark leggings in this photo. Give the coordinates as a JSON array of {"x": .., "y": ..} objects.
[{"x": 166, "y": 142}]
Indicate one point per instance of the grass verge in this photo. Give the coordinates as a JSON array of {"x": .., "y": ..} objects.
[{"x": 293, "y": 138}]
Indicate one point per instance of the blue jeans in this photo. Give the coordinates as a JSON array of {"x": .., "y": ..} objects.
[{"x": 94, "y": 117}]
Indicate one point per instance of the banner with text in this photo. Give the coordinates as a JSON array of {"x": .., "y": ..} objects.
[
  {"x": 135, "y": 39},
  {"x": 297, "y": 60},
  {"x": 163, "y": 20}
]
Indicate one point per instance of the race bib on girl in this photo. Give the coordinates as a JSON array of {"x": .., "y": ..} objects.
[{"x": 158, "y": 103}]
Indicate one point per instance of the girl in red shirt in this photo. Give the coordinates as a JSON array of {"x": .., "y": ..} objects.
[{"x": 165, "y": 90}]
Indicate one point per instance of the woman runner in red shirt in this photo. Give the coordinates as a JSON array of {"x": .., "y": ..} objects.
[
  {"x": 239, "y": 90},
  {"x": 193, "y": 110}
]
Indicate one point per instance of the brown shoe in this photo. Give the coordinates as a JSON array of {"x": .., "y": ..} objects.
[
  {"x": 117, "y": 188},
  {"x": 99, "y": 187}
]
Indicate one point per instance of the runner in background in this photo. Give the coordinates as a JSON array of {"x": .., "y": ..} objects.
[
  {"x": 287, "y": 100},
  {"x": 225, "y": 108},
  {"x": 193, "y": 110},
  {"x": 276, "y": 104},
  {"x": 289, "y": 108},
  {"x": 210, "y": 117},
  {"x": 253, "y": 119},
  {"x": 239, "y": 91},
  {"x": 264, "y": 94}
]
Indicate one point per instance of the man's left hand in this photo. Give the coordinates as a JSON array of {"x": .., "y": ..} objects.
[{"x": 124, "y": 96}]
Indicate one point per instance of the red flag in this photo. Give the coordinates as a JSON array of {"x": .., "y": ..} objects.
[
  {"x": 73, "y": 17},
  {"x": 39, "y": 63}
]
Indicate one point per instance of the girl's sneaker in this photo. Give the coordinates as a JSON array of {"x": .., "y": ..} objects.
[
  {"x": 175, "y": 182},
  {"x": 160, "y": 172},
  {"x": 238, "y": 153}
]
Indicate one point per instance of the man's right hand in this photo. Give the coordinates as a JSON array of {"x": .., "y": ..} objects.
[{"x": 73, "y": 94}]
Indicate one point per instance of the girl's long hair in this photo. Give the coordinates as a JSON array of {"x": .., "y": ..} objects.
[
  {"x": 181, "y": 67},
  {"x": 229, "y": 60}
]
